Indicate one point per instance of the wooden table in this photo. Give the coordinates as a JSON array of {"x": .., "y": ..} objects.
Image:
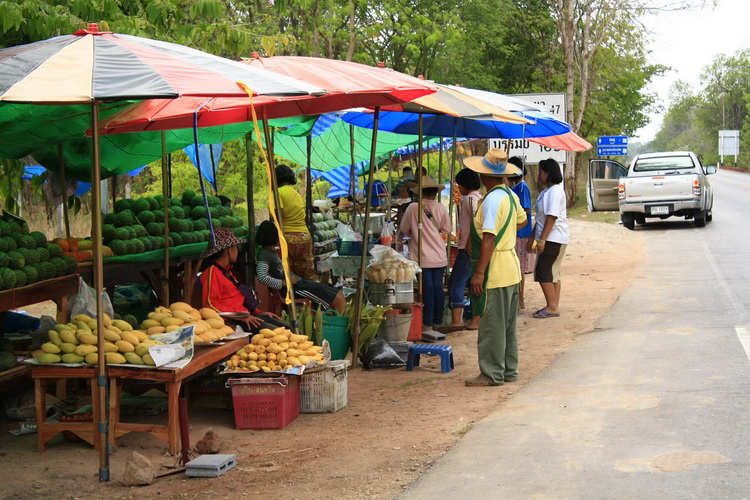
[
  {"x": 45, "y": 431},
  {"x": 203, "y": 358},
  {"x": 58, "y": 289}
]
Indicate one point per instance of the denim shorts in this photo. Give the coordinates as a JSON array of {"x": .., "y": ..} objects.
[{"x": 459, "y": 279}]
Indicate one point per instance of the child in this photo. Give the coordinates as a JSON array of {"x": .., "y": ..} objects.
[{"x": 271, "y": 273}]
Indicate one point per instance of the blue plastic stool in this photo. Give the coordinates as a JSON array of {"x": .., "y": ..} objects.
[{"x": 444, "y": 351}]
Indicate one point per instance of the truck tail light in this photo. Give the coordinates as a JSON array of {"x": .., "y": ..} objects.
[
  {"x": 696, "y": 186},
  {"x": 621, "y": 191}
]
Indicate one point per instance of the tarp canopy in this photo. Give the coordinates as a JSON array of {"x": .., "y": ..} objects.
[{"x": 331, "y": 142}]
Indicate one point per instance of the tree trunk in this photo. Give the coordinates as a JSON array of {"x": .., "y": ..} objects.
[{"x": 567, "y": 30}]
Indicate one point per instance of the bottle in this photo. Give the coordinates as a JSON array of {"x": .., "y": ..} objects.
[{"x": 386, "y": 236}]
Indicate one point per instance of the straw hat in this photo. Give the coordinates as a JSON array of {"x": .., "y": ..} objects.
[
  {"x": 494, "y": 163},
  {"x": 427, "y": 182},
  {"x": 225, "y": 238}
]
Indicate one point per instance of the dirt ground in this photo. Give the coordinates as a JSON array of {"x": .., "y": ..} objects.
[{"x": 396, "y": 424}]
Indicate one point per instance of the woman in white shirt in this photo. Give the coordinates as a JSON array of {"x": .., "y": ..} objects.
[{"x": 551, "y": 236}]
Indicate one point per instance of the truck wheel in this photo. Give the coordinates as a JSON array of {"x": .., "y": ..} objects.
[
  {"x": 628, "y": 220},
  {"x": 700, "y": 219},
  {"x": 640, "y": 219}
]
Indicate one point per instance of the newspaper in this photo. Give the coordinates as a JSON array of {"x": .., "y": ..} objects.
[{"x": 177, "y": 348}]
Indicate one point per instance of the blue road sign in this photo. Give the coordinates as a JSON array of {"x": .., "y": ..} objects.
[
  {"x": 612, "y": 150},
  {"x": 612, "y": 140}
]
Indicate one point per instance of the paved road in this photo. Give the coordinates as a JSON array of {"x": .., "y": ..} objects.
[{"x": 655, "y": 403}]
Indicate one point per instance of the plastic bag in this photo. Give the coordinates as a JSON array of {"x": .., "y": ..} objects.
[
  {"x": 84, "y": 302},
  {"x": 346, "y": 233},
  {"x": 381, "y": 355},
  {"x": 388, "y": 264}
]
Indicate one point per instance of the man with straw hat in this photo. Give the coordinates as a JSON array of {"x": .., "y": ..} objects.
[
  {"x": 221, "y": 291},
  {"x": 495, "y": 269}
]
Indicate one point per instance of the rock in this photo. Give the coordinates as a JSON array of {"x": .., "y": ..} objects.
[
  {"x": 209, "y": 444},
  {"x": 139, "y": 471}
]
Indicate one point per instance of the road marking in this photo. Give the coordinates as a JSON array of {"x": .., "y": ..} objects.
[
  {"x": 743, "y": 333},
  {"x": 737, "y": 304}
]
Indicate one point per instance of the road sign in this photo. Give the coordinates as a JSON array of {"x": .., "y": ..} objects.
[
  {"x": 532, "y": 152},
  {"x": 612, "y": 150},
  {"x": 612, "y": 140}
]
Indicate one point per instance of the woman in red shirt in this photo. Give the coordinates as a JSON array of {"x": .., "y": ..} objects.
[{"x": 220, "y": 289}]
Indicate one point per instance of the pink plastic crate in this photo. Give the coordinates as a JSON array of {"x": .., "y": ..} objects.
[{"x": 265, "y": 403}]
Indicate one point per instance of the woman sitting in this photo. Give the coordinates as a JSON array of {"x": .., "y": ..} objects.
[
  {"x": 222, "y": 292},
  {"x": 271, "y": 273}
]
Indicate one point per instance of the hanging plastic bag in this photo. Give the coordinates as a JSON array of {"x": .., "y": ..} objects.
[
  {"x": 84, "y": 302},
  {"x": 388, "y": 264}
]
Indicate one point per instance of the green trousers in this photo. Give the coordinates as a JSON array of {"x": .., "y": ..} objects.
[{"x": 497, "y": 340}]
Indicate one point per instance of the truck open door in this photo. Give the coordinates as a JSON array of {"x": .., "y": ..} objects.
[{"x": 602, "y": 185}]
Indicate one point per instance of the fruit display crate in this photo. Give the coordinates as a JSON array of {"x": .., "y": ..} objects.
[
  {"x": 327, "y": 390},
  {"x": 265, "y": 403}
]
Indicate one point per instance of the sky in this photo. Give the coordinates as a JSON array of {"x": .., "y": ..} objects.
[{"x": 687, "y": 42}]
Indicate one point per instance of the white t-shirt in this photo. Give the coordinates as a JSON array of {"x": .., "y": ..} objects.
[{"x": 552, "y": 201}]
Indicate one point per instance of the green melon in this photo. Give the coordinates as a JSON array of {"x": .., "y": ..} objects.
[
  {"x": 170, "y": 213},
  {"x": 198, "y": 212},
  {"x": 8, "y": 277},
  {"x": 109, "y": 218},
  {"x": 152, "y": 203},
  {"x": 60, "y": 266},
  {"x": 187, "y": 196},
  {"x": 124, "y": 218},
  {"x": 4, "y": 260},
  {"x": 54, "y": 250},
  {"x": 174, "y": 224},
  {"x": 121, "y": 205},
  {"x": 41, "y": 273},
  {"x": 121, "y": 233},
  {"x": 31, "y": 275},
  {"x": 216, "y": 223},
  {"x": 213, "y": 201},
  {"x": 175, "y": 202},
  {"x": 49, "y": 269},
  {"x": 156, "y": 242},
  {"x": 140, "y": 231},
  {"x": 179, "y": 212},
  {"x": 39, "y": 238},
  {"x": 139, "y": 205},
  {"x": 159, "y": 200},
  {"x": 146, "y": 242},
  {"x": 200, "y": 224},
  {"x": 3, "y": 245},
  {"x": 153, "y": 228},
  {"x": 176, "y": 239},
  {"x": 138, "y": 246},
  {"x": 186, "y": 237},
  {"x": 197, "y": 201},
  {"x": 29, "y": 256},
  {"x": 28, "y": 241},
  {"x": 109, "y": 232},
  {"x": 7, "y": 360},
  {"x": 71, "y": 265},
  {"x": 43, "y": 254},
  {"x": 131, "y": 232},
  {"x": 146, "y": 216},
  {"x": 4, "y": 228},
  {"x": 188, "y": 224},
  {"x": 10, "y": 243},
  {"x": 16, "y": 260},
  {"x": 159, "y": 215},
  {"x": 118, "y": 246},
  {"x": 130, "y": 247},
  {"x": 20, "y": 278}
]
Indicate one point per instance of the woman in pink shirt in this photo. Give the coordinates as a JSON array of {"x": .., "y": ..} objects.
[{"x": 435, "y": 222}]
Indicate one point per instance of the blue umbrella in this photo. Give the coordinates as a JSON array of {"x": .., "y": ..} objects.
[{"x": 402, "y": 122}]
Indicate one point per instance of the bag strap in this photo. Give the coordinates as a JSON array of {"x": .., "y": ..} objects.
[{"x": 432, "y": 219}]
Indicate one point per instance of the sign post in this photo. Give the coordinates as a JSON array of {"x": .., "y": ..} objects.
[
  {"x": 613, "y": 145},
  {"x": 729, "y": 144}
]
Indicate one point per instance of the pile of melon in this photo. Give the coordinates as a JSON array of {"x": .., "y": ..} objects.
[
  {"x": 137, "y": 225},
  {"x": 26, "y": 257}
]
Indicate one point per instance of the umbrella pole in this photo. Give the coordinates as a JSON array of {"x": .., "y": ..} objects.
[
  {"x": 214, "y": 169},
  {"x": 440, "y": 168},
  {"x": 165, "y": 207},
  {"x": 96, "y": 236},
  {"x": 61, "y": 163},
  {"x": 274, "y": 186},
  {"x": 363, "y": 261},
  {"x": 352, "y": 179},
  {"x": 250, "y": 210},
  {"x": 308, "y": 181},
  {"x": 419, "y": 205},
  {"x": 450, "y": 203},
  {"x": 390, "y": 189}
]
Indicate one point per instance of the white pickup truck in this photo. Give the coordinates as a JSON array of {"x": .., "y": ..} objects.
[{"x": 656, "y": 185}]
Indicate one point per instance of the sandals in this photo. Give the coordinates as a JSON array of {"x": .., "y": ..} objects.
[{"x": 542, "y": 314}]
